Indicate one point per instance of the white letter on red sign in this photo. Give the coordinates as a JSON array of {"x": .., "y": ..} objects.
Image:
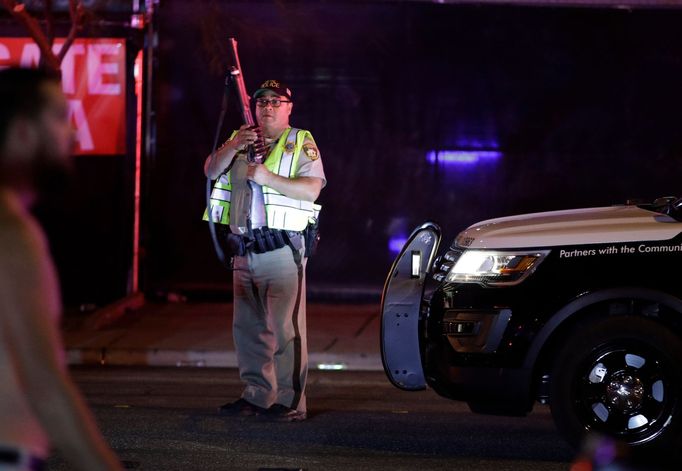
[
  {"x": 30, "y": 56},
  {"x": 69, "y": 68},
  {"x": 4, "y": 55},
  {"x": 97, "y": 68},
  {"x": 83, "y": 135}
]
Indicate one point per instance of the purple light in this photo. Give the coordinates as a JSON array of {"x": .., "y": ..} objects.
[
  {"x": 462, "y": 157},
  {"x": 396, "y": 243}
]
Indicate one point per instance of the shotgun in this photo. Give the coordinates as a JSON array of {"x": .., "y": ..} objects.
[{"x": 256, "y": 150}]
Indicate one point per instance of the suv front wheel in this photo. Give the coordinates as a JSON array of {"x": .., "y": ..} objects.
[{"x": 619, "y": 377}]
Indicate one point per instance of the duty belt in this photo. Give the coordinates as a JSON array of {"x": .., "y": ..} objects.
[
  {"x": 262, "y": 240},
  {"x": 267, "y": 240}
]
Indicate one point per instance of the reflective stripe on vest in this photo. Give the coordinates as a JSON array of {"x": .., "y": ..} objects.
[
  {"x": 220, "y": 201},
  {"x": 281, "y": 211},
  {"x": 219, "y": 194}
]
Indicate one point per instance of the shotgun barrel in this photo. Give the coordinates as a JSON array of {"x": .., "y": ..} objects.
[{"x": 255, "y": 150}]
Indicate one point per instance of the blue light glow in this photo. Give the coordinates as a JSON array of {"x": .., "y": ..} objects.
[
  {"x": 396, "y": 243},
  {"x": 331, "y": 366},
  {"x": 462, "y": 157}
]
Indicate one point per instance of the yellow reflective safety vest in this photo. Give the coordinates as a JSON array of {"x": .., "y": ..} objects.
[{"x": 281, "y": 211}]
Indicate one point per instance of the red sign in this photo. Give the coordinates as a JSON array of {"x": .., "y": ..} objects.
[{"x": 94, "y": 81}]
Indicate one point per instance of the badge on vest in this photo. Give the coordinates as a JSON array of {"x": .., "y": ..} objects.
[
  {"x": 311, "y": 152},
  {"x": 289, "y": 147}
]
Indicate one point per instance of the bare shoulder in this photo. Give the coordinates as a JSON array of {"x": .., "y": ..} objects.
[
  {"x": 29, "y": 287},
  {"x": 23, "y": 248},
  {"x": 19, "y": 231}
]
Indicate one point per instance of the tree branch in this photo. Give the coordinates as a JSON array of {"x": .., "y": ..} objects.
[
  {"x": 77, "y": 13},
  {"x": 49, "y": 18},
  {"x": 18, "y": 11}
]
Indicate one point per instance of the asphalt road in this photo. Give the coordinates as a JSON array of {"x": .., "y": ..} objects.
[{"x": 166, "y": 419}]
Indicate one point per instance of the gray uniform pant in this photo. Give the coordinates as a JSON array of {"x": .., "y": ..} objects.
[{"x": 269, "y": 328}]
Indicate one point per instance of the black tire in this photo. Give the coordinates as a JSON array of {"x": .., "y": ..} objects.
[{"x": 619, "y": 377}]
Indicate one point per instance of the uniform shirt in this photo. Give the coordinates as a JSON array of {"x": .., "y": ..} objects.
[{"x": 241, "y": 199}]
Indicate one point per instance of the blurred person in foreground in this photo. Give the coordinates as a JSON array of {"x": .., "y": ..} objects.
[
  {"x": 600, "y": 452},
  {"x": 40, "y": 406}
]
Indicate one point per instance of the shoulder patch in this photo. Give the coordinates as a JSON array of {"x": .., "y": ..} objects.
[{"x": 311, "y": 151}]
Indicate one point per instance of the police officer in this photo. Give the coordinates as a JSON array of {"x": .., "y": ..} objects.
[{"x": 268, "y": 207}]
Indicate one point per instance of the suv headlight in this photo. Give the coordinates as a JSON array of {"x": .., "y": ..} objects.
[{"x": 495, "y": 268}]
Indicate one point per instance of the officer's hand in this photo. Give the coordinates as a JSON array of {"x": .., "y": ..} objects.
[
  {"x": 246, "y": 136},
  {"x": 258, "y": 173}
]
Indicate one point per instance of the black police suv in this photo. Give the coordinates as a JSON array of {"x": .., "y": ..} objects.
[{"x": 580, "y": 309}]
